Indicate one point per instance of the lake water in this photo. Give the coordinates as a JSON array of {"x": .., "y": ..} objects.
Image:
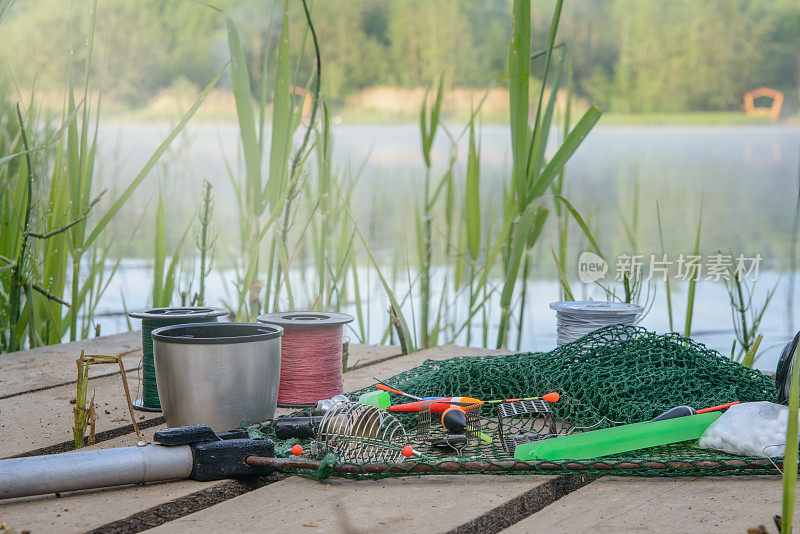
[{"x": 747, "y": 177}]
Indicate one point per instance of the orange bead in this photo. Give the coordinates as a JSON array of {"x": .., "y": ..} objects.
[
  {"x": 297, "y": 450},
  {"x": 408, "y": 451},
  {"x": 552, "y": 397}
]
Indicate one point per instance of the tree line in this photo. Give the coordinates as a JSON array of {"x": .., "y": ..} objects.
[{"x": 625, "y": 55}]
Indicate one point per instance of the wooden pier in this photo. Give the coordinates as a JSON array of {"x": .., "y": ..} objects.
[{"x": 36, "y": 388}]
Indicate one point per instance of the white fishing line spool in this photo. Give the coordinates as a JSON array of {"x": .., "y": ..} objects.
[{"x": 575, "y": 319}]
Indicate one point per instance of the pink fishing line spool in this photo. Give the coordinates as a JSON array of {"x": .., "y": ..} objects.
[{"x": 311, "y": 355}]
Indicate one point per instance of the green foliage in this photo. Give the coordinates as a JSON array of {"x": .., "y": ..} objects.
[
  {"x": 790, "y": 457},
  {"x": 428, "y": 124},
  {"x": 746, "y": 314},
  {"x": 694, "y": 275},
  {"x": 164, "y": 282},
  {"x": 49, "y": 243},
  {"x": 205, "y": 240},
  {"x": 628, "y": 55},
  {"x": 150, "y": 43},
  {"x": 644, "y": 56},
  {"x": 531, "y": 177}
]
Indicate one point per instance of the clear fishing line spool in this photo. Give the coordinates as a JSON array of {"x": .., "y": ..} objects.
[{"x": 575, "y": 319}]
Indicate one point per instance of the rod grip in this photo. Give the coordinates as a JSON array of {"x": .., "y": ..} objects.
[{"x": 297, "y": 427}]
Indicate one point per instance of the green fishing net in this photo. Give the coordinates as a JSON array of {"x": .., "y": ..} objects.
[{"x": 615, "y": 375}]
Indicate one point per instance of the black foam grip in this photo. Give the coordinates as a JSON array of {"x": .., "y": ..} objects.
[{"x": 296, "y": 427}]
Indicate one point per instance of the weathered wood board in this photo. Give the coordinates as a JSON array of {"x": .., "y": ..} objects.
[
  {"x": 43, "y": 417},
  {"x": 50, "y": 366},
  {"x": 414, "y": 504},
  {"x": 80, "y": 511},
  {"x": 35, "y": 412},
  {"x": 633, "y": 504}
]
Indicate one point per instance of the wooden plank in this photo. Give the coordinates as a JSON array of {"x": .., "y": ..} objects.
[
  {"x": 45, "y": 418},
  {"x": 622, "y": 504},
  {"x": 365, "y": 355},
  {"x": 85, "y": 510},
  {"x": 80, "y": 511},
  {"x": 409, "y": 504},
  {"x": 52, "y": 365}
]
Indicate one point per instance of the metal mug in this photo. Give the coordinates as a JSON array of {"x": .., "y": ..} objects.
[{"x": 224, "y": 375}]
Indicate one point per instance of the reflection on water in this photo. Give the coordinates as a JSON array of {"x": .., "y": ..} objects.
[
  {"x": 746, "y": 175},
  {"x": 711, "y": 324}
]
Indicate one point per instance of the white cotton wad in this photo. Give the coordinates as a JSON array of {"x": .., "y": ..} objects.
[{"x": 749, "y": 429}]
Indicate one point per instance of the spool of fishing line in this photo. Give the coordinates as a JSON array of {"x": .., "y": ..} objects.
[
  {"x": 153, "y": 318},
  {"x": 575, "y": 319},
  {"x": 311, "y": 355}
]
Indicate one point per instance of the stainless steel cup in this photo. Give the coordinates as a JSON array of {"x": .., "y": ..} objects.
[{"x": 223, "y": 375}]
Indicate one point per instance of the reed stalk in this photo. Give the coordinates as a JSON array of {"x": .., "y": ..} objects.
[
  {"x": 790, "y": 456},
  {"x": 205, "y": 242},
  {"x": 687, "y": 331},
  {"x": 531, "y": 175}
]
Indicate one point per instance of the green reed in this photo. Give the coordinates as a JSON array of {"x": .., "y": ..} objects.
[
  {"x": 475, "y": 255},
  {"x": 790, "y": 457},
  {"x": 746, "y": 315},
  {"x": 532, "y": 175},
  {"x": 693, "y": 276},
  {"x": 53, "y": 226},
  {"x": 205, "y": 241}
]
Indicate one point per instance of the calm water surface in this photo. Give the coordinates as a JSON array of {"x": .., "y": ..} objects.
[{"x": 747, "y": 177}]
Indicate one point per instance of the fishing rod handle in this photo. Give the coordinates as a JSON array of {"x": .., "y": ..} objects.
[{"x": 52, "y": 473}]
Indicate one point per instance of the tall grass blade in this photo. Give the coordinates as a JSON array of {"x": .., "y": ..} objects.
[
  {"x": 565, "y": 151},
  {"x": 240, "y": 84},
  {"x": 530, "y": 217},
  {"x": 151, "y": 162},
  {"x": 407, "y": 340},
  {"x": 160, "y": 255},
  {"x": 693, "y": 280},
  {"x": 519, "y": 69},
  {"x": 542, "y": 127},
  {"x": 750, "y": 355},
  {"x": 790, "y": 457},
  {"x": 584, "y": 227},
  {"x": 281, "y": 117},
  {"x": 663, "y": 253},
  {"x": 472, "y": 199},
  {"x": 562, "y": 278}
]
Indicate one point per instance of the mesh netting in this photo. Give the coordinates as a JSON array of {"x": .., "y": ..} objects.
[{"x": 619, "y": 374}]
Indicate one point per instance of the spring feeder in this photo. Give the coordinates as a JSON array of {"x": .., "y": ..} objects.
[
  {"x": 311, "y": 355},
  {"x": 359, "y": 433},
  {"x": 575, "y": 319},
  {"x": 153, "y": 318}
]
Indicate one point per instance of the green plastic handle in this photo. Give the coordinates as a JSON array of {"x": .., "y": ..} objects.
[
  {"x": 598, "y": 443},
  {"x": 379, "y": 399}
]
